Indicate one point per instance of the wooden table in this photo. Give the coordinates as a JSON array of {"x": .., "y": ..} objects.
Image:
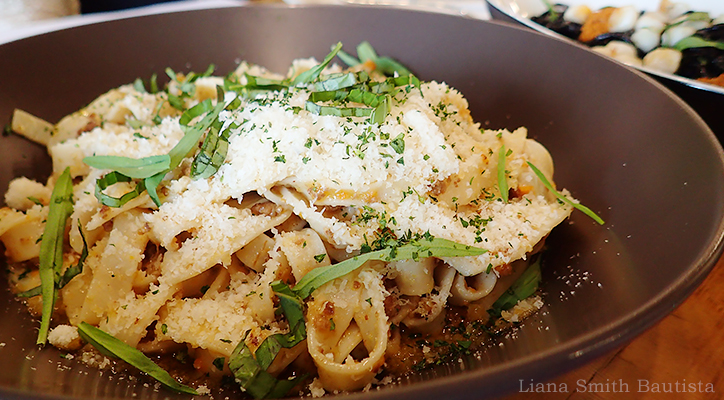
[{"x": 686, "y": 347}]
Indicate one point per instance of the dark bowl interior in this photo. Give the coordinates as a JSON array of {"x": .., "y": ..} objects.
[{"x": 623, "y": 145}]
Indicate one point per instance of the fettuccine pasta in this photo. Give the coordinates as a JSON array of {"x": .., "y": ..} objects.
[{"x": 199, "y": 210}]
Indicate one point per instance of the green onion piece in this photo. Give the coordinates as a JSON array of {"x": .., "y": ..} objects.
[
  {"x": 139, "y": 168},
  {"x": 502, "y": 179},
  {"x": 51, "y": 247},
  {"x": 563, "y": 198},
  {"x": 692, "y": 42},
  {"x": 111, "y": 179},
  {"x": 254, "y": 379},
  {"x": 310, "y": 75},
  {"x": 433, "y": 247},
  {"x": 115, "y": 348},
  {"x": 524, "y": 287}
]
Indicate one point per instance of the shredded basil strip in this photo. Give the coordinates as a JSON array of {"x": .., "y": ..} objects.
[
  {"x": 336, "y": 83},
  {"x": 139, "y": 168},
  {"x": 293, "y": 310},
  {"x": 311, "y": 74},
  {"x": 695, "y": 42},
  {"x": 51, "y": 247},
  {"x": 383, "y": 108},
  {"x": 338, "y": 111},
  {"x": 524, "y": 287},
  {"x": 115, "y": 348},
  {"x": 433, "y": 247},
  {"x": 69, "y": 273},
  {"x": 502, "y": 179},
  {"x": 151, "y": 170},
  {"x": 250, "y": 369},
  {"x": 254, "y": 379},
  {"x": 385, "y": 65},
  {"x": 563, "y": 198},
  {"x": 111, "y": 179}
]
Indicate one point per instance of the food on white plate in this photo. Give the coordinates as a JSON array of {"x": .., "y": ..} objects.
[
  {"x": 674, "y": 39},
  {"x": 309, "y": 232}
]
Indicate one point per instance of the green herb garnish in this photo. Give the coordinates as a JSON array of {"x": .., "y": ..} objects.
[
  {"x": 365, "y": 53},
  {"x": 563, "y": 198},
  {"x": 51, "y": 247},
  {"x": 69, "y": 273},
  {"x": 151, "y": 170},
  {"x": 112, "y": 347},
  {"x": 502, "y": 178},
  {"x": 524, "y": 287},
  {"x": 433, "y": 247}
]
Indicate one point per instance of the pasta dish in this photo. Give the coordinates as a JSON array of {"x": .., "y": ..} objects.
[{"x": 287, "y": 230}]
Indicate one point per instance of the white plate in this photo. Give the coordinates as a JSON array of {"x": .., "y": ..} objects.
[{"x": 523, "y": 10}]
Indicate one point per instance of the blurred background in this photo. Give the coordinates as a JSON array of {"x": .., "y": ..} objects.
[{"x": 20, "y": 12}]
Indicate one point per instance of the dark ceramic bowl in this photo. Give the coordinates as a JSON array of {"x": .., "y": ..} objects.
[{"x": 623, "y": 145}]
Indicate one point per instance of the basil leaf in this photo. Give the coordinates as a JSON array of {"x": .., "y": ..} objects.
[
  {"x": 366, "y": 52},
  {"x": 524, "y": 287},
  {"x": 502, "y": 178},
  {"x": 364, "y": 97},
  {"x": 337, "y": 111},
  {"x": 385, "y": 65},
  {"x": 336, "y": 83},
  {"x": 73, "y": 271},
  {"x": 202, "y": 161},
  {"x": 382, "y": 110},
  {"x": 389, "y": 67},
  {"x": 265, "y": 83},
  {"x": 151, "y": 185},
  {"x": 69, "y": 273},
  {"x": 348, "y": 59},
  {"x": 563, "y": 198},
  {"x": 139, "y": 168},
  {"x": 51, "y": 247},
  {"x": 193, "y": 134},
  {"x": 254, "y": 379},
  {"x": 115, "y": 348},
  {"x": 311, "y": 74},
  {"x": 111, "y": 179},
  {"x": 293, "y": 310},
  {"x": 433, "y": 247}
]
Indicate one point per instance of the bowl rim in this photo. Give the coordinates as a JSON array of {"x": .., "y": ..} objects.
[{"x": 564, "y": 356}]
